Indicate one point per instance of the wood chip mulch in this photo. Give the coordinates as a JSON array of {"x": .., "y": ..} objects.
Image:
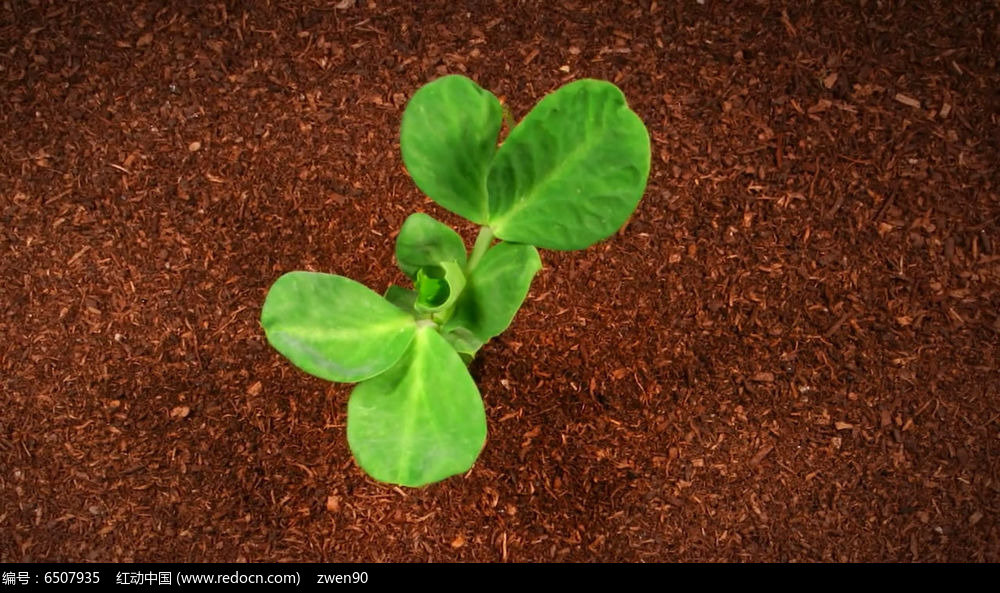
[{"x": 790, "y": 353}]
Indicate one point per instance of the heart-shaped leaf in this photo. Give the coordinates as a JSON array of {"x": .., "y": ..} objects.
[
  {"x": 448, "y": 137},
  {"x": 333, "y": 327},
  {"x": 423, "y": 241},
  {"x": 572, "y": 171},
  {"x": 422, "y": 420}
]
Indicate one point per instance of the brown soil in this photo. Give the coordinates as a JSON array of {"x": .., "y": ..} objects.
[{"x": 790, "y": 353}]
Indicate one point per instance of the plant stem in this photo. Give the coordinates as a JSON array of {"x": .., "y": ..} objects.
[{"x": 483, "y": 241}]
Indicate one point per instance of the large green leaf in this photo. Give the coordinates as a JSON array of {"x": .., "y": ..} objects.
[
  {"x": 572, "y": 171},
  {"x": 423, "y": 241},
  {"x": 422, "y": 420},
  {"x": 333, "y": 327},
  {"x": 495, "y": 290},
  {"x": 448, "y": 137}
]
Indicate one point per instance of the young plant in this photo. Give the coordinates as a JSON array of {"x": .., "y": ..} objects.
[{"x": 566, "y": 177}]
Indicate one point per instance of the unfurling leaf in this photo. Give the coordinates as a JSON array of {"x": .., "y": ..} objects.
[{"x": 438, "y": 287}]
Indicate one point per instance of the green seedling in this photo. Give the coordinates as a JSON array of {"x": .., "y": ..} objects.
[{"x": 567, "y": 176}]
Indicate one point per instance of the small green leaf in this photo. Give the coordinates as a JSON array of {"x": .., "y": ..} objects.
[
  {"x": 572, "y": 171},
  {"x": 422, "y": 420},
  {"x": 403, "y": 298},
  {"x": 448, "y": 137},
  {"x": 333, "y": 327},
  {"x": 464, "y": 342},
  {"x": 423, "y": 241},
  {"x": 495, "y": 290}
]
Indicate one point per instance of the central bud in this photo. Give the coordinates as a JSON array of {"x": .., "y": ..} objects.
[{"x": 438, "y": 288}]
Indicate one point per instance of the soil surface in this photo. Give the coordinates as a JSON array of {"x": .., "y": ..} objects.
[{"x": 790, "y": 353}]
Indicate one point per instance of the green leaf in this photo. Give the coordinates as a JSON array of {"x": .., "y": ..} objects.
[
  {"x": 464, "y": 342},
  {"x": 423, "y": 241},
  {"x": 422, "y": 420},
  {"x": 495, "y": 290},
  {"x": 448, "y": 137},
  {"x": 403, "y": 298},
  {"x": 333, "y": 327},
  {"x": 572, "y": 171}
]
